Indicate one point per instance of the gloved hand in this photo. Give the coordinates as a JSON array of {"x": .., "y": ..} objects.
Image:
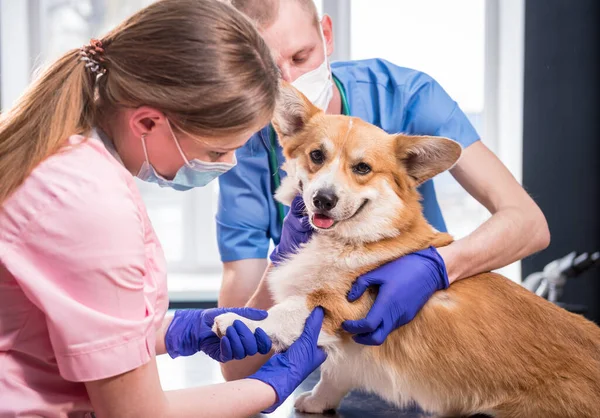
[
  {"x": 296, "y": 230},
  {"x": 405, "y": 285},
  {"x": 190, "y": 332},
  {"x": 285, "y": 371}
]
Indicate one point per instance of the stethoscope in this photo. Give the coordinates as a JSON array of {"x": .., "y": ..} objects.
[{"x": 274, "y": 165}]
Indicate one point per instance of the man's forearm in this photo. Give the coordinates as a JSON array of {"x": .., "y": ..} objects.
[
  {"x": 240, "y": 369},
  {"x": 509, "y": 235},
  {"x": 261, "y": 299}
]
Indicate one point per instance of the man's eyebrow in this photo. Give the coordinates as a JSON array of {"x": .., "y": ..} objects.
[{"x": 302, "y": 49}]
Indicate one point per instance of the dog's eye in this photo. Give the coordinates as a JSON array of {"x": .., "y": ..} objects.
[
  {"x": 362, "y": 168},
  {"x": 317, "y": 156}
]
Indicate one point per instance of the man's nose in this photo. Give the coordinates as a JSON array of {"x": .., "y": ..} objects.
[
  {"x": 325, "y": 199},
  {"x": 286, "y": 73}
]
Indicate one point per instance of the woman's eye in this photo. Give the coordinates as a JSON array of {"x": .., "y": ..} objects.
[
  {"x": 362, "y": 168},
  {"x": 317, "y": 156}
]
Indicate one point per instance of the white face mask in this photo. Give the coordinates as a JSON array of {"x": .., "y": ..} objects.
[
  {"x": 317, "y": 84},
  {"x": 194, "y": 173}
]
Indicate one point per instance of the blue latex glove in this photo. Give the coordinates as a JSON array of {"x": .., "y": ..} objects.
[
  {"x": 405, "y": 285},
  {"x": 285, "y": 371},
  {"x": 296, "y": 230},
  {"x": 190, "y": 332}
]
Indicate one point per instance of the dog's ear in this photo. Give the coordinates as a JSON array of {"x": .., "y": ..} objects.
[
  {"x": 292, "y": 112},
  {"x": 426, "y": 156}
]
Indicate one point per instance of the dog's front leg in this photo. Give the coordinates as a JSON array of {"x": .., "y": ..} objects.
[
  {"x": 336, "y": 382},
  {"x": 284, "y": 325}
]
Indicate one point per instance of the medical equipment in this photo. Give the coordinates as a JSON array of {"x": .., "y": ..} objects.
[{"x": 549, "y": 282}]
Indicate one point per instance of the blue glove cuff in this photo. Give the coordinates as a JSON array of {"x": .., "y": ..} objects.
[
  {"x": 275, "y": 257},
  {"x": 272, "y": 377},
  {"x": 179, "y": 330},
  {"x": 441, "y": 267}
]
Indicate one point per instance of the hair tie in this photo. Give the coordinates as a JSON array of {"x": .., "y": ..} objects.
[{"x": 93, "y": 56}]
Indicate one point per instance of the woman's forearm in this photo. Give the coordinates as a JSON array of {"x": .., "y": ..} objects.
[
  {"x": 160, "y": 335},
  {"x": 242, "y": 398},
  {"x": 238, "y": 369}
]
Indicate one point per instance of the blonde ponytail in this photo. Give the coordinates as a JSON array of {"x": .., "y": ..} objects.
[{"x": 58, "y": 104}]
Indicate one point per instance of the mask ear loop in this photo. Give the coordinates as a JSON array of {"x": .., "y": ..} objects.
[
  {"x": 325, "y": 50},
  {"x": 144, "y": 147},
  {"x": 185, "y": 160}
]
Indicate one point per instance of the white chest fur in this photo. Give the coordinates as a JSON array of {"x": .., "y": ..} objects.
[{"x": 319, "y": 262}]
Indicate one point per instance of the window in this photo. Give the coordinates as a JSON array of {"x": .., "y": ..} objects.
[{"x": 444, "y": 39}]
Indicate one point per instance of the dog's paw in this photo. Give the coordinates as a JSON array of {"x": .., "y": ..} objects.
[
  {"x": 310, "y": 404},
  {"x": 222, "y": 322}
]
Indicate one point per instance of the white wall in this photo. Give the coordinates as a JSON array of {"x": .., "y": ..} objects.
[{"x": 15, "y": 51}]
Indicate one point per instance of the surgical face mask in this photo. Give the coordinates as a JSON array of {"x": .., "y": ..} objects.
[
  {"x": 195, "y": 173},
  {"x": 317, "y": 84}
]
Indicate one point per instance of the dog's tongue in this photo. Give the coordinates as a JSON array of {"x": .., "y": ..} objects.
[{"x": 322, "y": 221}]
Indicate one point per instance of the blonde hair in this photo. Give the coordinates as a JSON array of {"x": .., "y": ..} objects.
[
  {"x": 199, "y": 61},
  {"x": 264, "y": 12}
]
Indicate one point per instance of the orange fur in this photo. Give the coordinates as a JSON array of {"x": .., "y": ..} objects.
[{"x": 484, "y": 345}]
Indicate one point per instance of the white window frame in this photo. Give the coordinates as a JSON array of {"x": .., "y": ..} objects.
[{"x": 503, "y": 90}]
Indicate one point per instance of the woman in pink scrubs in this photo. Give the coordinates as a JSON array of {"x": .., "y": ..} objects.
[{"x": 167, "y": 96}]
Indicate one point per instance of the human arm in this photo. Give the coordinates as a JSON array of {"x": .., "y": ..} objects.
[
  {"x": 238, "y": 369},
  {"x": 239, "y": 343},
  {"x": 245, "y": 215},
  {"x": 191, "y": 331},
  {"x": 242, "y": 224},
  {"x": 138, "y": 394},
  {"x": 241, "y": 278},
  {"x": 160, "y": 335},
  {"x": 516, "y": 229},
  {"x": 243, "y": 221},
  {"x": 296, "y": 231}
]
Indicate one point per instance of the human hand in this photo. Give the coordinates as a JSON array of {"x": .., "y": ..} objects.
[
  {"x": 191, "y": 331},
  {"x": 405, "y": 285}
]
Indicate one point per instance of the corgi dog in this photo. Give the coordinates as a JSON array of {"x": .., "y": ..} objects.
[{"x": 485, "y": 345}]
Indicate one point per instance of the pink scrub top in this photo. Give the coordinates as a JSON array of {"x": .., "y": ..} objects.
[{"x": 82, "y": 282}]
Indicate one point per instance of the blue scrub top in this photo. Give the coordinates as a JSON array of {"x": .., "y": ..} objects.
[{"x": 394, "y": 98}]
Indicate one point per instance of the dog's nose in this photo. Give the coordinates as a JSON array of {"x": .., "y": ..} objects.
[{"x": 325, "y": 200}]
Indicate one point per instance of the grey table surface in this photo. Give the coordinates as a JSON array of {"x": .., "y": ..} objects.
[{"x": 199, "y": 370}]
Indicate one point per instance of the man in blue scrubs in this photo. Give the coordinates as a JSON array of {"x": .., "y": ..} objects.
[{"x": 397, "y": 100}]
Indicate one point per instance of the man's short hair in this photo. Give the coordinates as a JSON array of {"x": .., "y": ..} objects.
[{"x": 264, "y": 12}]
